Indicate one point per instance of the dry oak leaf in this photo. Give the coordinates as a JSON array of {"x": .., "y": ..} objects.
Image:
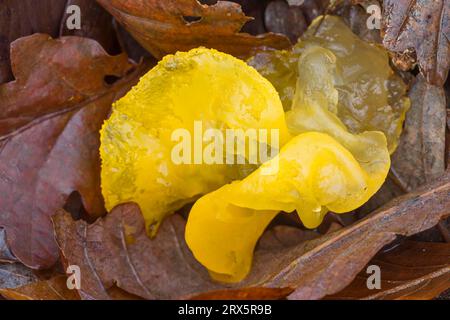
[
  {"x": 60, "y": 101},
  {"x": 422, "y": 26},
  {"x": 116, "y": 251},
  {"x": 420, "y": 156},
  {"x": 23, "y": 18},
  {"x": 51, "y": 75},
  {"x": 410, "y": 271},
  {"x": 164, "y": 27},
  {"x": 52, "y": 289}
]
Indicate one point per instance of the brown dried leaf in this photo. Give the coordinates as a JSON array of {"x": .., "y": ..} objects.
[
  {"x": 13, "y": 275},
  {"x": 73, "y": 68},
  {"x": 23, "y": 18},
  {"x": 164, "y": 27},
  {"x": 420, "y": 157},
  {"x": 5, "y": 254},
  {"x": 26, "y": 17},
  {"x": 422, "y": 26},
  {"x": 51, "y": 116},
  {"x": 53, "y": 289},
  {"x": 413, "y": 270},
  {"x": 117, "y": 250}
]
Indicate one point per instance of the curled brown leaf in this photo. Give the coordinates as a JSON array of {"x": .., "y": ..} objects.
[
  {"x": 23, "y": 18},
  {"x": 168, "y": 26},
  {"x": 420, "y": 157},
  {"x": 54, "y": 288},
  {"x": 411, "y": 270}
]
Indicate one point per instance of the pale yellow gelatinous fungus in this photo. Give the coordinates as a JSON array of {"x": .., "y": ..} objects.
[{"x": 371, "y": 96}]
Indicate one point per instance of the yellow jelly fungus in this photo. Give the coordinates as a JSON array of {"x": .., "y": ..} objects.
[
  {"x": 325, "y": 167},
  {"x": 340, "y": 99},
  {"x": 190, "y": 91},
  {"x": 371, "y": 96}
]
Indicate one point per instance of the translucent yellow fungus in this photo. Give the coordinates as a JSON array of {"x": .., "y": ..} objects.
[
  {"x": 186, "y": 93},
  {"x": 371, "y": 96}
]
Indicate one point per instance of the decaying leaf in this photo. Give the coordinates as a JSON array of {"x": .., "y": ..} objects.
[
  {"x": 423, "y": 27},
  {"x": 412, "y": 270},
  {"x": 116, "y": 250},
  {"x": 22, "y": 18},
  {"x": 75, "y": 68},
  {"x": 52, "y": 289},
  {"x": 420, "y": 157},
  {"x": 5, "y": 254},
  {"x": 50, "y": 119},
  {"x": 14, "y": 275},
  {"x": 164, "y": 27}
]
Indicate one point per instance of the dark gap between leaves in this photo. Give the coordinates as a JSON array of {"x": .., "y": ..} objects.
[
  {"x": 74, "y": 206},
  {"x": 110, "y": 79},
  {"x": 192, "y": 19}
]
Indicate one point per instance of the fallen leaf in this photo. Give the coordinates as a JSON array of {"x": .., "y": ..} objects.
[
  {"x": 75, "y": 68},
  {"x": 350, "y": 249},
  {"x": 52, "y": 115},
  {"x": 116, "y": 250},
  {"x": 164, "y": 27},
  {"x": 280, "y": 237},
  {"x": 447, "y": 139},
  {"x": 388, "y": 191},
  {"x": 53, "y": 289},
  {"x": 444, "y": 296},
  {"x": 23, "y": 18},
  {"x": 422, "y": 26},
  {"x": 412, "y": 270},
  {"x": 420, "y": 157},
  {"x": 5, "y": 254},
  {"x": 14, "y": 275},
  {"x": 26, "y": 17}
]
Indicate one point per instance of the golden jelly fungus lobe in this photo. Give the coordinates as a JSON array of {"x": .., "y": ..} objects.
[
  {"x": 315, "y": 174},
  {"x": 189, "y": 92},
  {"x": 371, "y": 96}
]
